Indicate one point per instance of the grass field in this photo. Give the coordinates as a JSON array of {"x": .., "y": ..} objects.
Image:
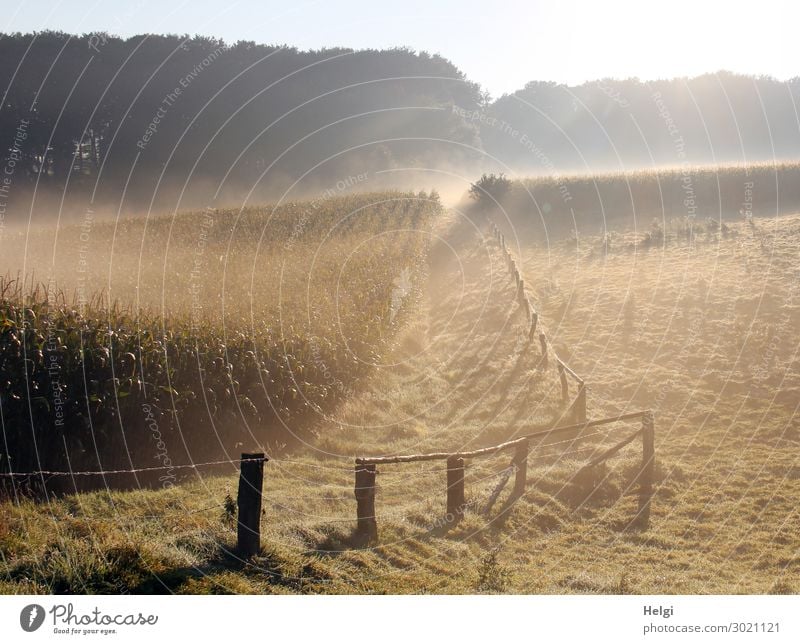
[
  {"x": 707, "y": 335},
  {"x": 703, "y": 333}
]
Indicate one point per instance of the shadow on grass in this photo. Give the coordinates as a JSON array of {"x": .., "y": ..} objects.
[
  {"x": 124, "y": 570},
  {"x": 266, "y": 568},
  {"x": 339, "y": 541}
]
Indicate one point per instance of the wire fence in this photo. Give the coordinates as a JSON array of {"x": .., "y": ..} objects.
[{"x": 161, "y": 468}]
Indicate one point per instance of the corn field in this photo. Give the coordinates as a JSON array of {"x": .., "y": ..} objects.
[
  {"x": 204, "y": 333},
  {"x": 590, "y": 204}
]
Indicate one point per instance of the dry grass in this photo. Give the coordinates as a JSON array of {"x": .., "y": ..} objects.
[{"x": 707, "y": 336}]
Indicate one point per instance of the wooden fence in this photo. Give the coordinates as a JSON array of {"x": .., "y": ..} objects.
[
  {"x": 366, "y": 469},
  {"x": 578, "y": 405}
]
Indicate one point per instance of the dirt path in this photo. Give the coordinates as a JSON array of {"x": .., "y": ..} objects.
[{"x": 462, "y": 373}]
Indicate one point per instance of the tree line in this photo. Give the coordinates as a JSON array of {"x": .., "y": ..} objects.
[
  {"x": 159, "y": 115},
  {"x": 186, "y": 122}
]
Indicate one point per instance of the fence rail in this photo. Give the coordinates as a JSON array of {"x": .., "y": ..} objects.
[
  {"x": 434, "y": 456},
  {"x": 564, "y": 367}
]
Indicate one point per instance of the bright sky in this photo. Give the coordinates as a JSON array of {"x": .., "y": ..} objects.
[{"x": 502, "y": 44}]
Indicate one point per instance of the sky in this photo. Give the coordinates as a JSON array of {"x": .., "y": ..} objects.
[{"x": 501, "y": 44}]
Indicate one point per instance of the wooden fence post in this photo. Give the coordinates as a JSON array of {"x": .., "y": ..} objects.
[
  {"x": 521, "y": 464},
  {"x": 579, "y": 407},
  {"x": 455, "y": 487},
  {"x": 534, "y": 322},
  {"x": 367, "y": 527},
  {"x": 543, "y": 343},
  {"x": 648, "y": 468},
  {"x": 251, "y": 481},
  {"x": 562, "y": 374}
]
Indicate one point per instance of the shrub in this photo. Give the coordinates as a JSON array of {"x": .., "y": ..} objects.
[{"x": 490, "y": 189}]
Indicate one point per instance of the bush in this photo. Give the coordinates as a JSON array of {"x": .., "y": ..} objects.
[{"x": 490, "y": 189}]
